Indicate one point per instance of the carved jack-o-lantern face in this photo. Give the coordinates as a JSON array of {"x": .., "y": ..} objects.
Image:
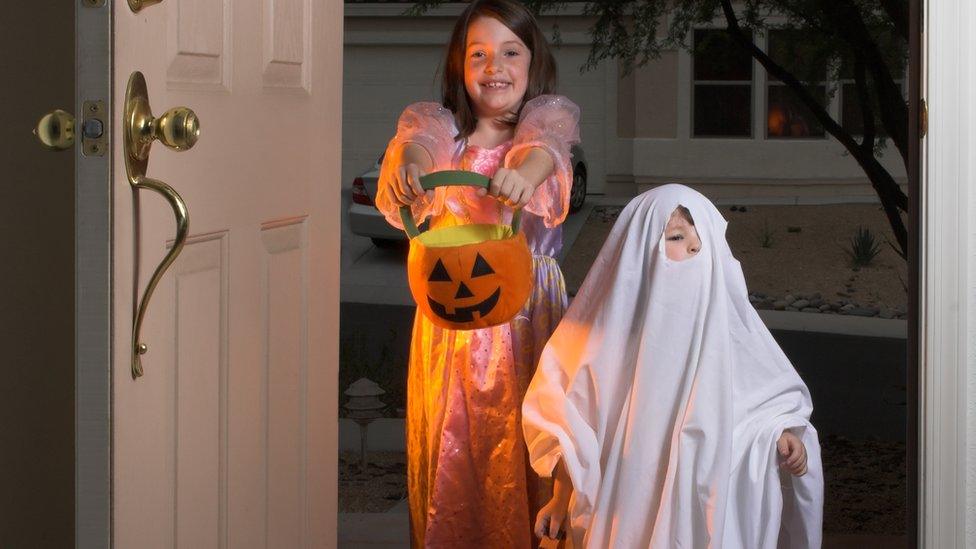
[
  {"x": 471, "y": 286},
  {"x": 480, "y": 270}
]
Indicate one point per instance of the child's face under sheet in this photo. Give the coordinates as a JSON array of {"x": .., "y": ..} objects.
[{"x": 680, "y": 237}]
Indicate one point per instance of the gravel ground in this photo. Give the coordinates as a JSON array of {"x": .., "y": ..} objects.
[
  {"x": 383, "y": 485},
  {"x": 806, "y": 256}
]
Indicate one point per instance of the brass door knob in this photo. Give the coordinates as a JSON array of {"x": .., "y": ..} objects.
[
  {"x": 178, "y": 128},
  {"x": 56, "y": 130}
]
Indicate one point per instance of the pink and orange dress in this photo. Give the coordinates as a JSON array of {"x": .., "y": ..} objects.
[{"x": 468, "y": 478}]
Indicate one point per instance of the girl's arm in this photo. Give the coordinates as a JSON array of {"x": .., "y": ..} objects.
[
  {"x": 405, "y": 181},
  {"x": 516, "y": 185},
  {"x": 563, "y": 486},
  {"x": 424, "y": 142},
  {"x": 551, "y": 520},
  {"x": 549, "y": 124}
]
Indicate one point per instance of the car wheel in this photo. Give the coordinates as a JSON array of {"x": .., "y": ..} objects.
[
  {"x": 577, "y": 195},
  {"x": 389, "y": 243}
]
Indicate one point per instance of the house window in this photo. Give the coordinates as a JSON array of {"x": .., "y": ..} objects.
[
  {"x": 722, "y": 86},
  {"x": 786, "y": 116}
]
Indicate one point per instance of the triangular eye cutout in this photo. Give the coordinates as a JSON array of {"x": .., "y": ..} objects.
[
  {"x": 481, "y": 267},
  {"x": 439, "y": 274},
  {"x": 463, "y": 292}
]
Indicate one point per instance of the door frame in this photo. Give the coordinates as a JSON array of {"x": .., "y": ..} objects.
[
  {"x": 947, "y": 315},
  {"x": 93, "y": 284}
]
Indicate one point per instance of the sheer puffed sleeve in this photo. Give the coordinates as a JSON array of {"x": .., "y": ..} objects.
[
  {"x": 550, "y": 122},
  {"x": 431, "y": 126}
]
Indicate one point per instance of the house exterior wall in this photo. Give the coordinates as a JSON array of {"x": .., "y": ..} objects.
[{"x": 636, "y": 128}]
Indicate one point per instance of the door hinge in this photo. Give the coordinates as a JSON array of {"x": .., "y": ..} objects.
[
  {"x": 923, "y": 118},
  {"x": 93, "y": 3}
]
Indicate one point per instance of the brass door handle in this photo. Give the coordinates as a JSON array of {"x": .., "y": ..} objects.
[
  {"x": 137, "y": 5},
  {"x": 178, "y": 129},
  {"x": 182, "y": 229}
]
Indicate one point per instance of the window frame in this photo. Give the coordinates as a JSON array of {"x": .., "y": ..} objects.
[{"x": 695, "y": 83}]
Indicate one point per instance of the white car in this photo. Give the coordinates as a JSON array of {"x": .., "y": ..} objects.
[{"x": 366, "y": 220}]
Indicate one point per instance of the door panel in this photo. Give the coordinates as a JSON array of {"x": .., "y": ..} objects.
[{"x": 222, "y": 443}]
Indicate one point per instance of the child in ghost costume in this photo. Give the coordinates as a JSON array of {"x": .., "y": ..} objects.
[{"x": 665, "y": 401}]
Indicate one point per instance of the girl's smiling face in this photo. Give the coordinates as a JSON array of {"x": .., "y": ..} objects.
[
  {"x": 680, "y": 237},
  {"x": 496, "y": 68}
]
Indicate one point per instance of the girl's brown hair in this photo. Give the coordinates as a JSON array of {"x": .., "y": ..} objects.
[{"x": 515, "y": 16}]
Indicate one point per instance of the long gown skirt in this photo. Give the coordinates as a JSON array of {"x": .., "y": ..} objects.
[{"x": 467, "y": 468}]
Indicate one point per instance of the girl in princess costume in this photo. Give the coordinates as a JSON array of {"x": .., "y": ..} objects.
[
  {"x": 468, "y": 480},
  {"x": 670, "y": 415}
]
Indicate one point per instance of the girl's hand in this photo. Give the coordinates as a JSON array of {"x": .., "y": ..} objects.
[
  {"x": 510, "y": 187},
  {"x": 406, "y": 184},
  {"x": 793, "y": 455},
  {"x": 551, "y": 518}
]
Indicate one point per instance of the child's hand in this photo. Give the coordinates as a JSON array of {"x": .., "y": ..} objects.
[
  {"x": 793, "y": 455},
  {"x": 406, "y": 184},
  {"x": 549, "y": 522},
  {"x": 509, "y": 186}
]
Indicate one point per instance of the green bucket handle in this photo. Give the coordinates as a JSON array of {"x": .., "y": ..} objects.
[{"x": 450, "y": 178}]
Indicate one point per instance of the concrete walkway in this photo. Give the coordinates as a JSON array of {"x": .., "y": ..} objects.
[{"x": 390, "y": 530}]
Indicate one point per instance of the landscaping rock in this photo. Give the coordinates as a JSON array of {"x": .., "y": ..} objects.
[
  {"x": 780, "y": 305},
  {"x": 801, "y": 303},
  {"x": 810, "y": 310}
]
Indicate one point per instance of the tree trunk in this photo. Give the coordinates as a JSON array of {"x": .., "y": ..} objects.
[{"x": 891, "y": 196}]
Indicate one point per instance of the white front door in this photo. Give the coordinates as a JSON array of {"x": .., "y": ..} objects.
[{"x": 228, "y": 438}]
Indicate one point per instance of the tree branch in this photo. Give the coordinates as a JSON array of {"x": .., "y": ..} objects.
[
  {"x": 893, "y": 110},
  {"x": 867, "y": 113},
  {"x": 891, "y": 195},
  {"x": 897, "y": 11}
]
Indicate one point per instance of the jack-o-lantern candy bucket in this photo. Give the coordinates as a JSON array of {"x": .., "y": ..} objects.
[{"x": 467, "y": 276}]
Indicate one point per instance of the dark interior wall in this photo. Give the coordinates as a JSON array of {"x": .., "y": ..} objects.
[{"x": 37, "y": 280}]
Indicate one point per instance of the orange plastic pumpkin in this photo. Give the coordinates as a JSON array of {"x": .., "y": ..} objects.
[{"x": 468, "y": 276}]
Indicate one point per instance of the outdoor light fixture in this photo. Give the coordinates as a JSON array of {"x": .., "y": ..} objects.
[{"x": 363, "y": 406}]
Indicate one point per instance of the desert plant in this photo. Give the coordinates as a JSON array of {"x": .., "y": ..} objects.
[{"x": 863, "y": 247}]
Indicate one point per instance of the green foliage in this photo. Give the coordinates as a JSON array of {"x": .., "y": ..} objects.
[{"x": 863, "y": 247}]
